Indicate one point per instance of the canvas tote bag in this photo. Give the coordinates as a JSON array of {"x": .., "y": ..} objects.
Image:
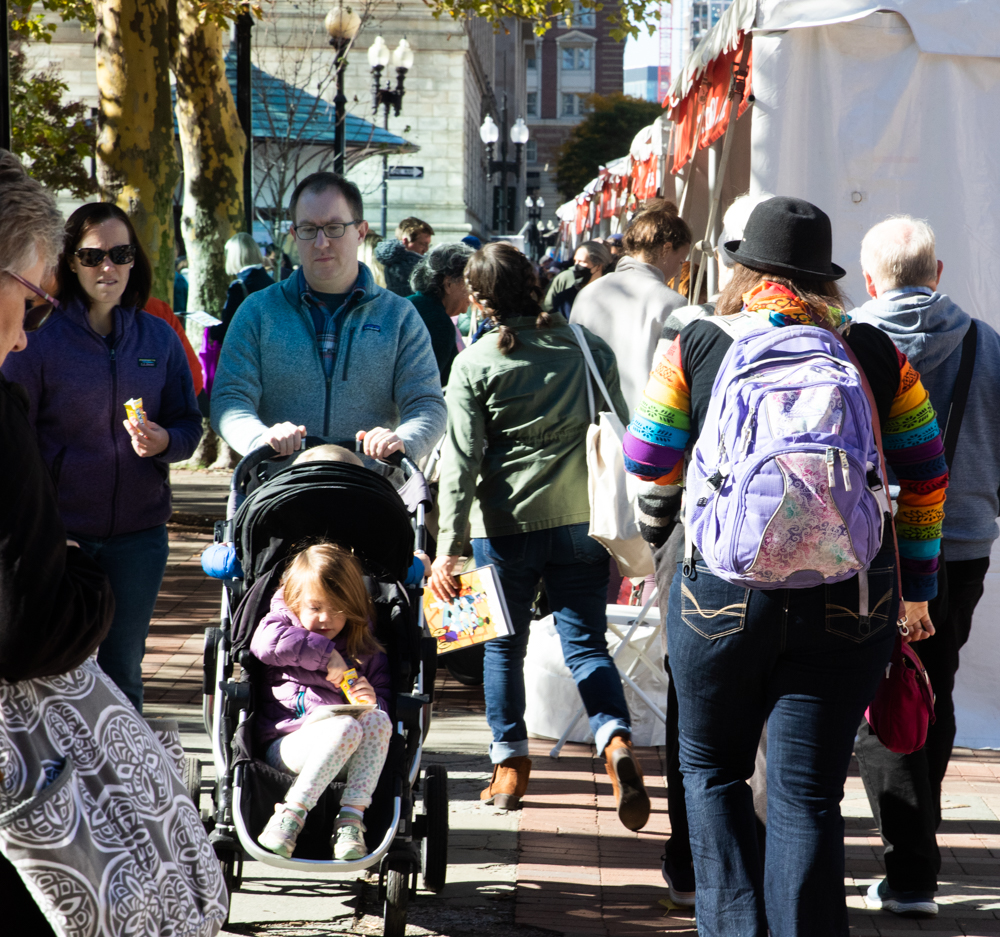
[{"x": 612, "y": 513}]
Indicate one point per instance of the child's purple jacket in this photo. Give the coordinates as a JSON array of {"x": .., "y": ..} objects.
[
  {"x": 77, "y": 386},
  {"x": 295, "y": 662}
]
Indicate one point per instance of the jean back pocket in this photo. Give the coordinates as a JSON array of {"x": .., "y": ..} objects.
[
  {"x": 847, "y": 602},
  {"x": 711, "y": 606}
]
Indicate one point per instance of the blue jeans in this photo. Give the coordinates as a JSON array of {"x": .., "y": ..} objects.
[
  {"x": 134, "y": 564},
  {"x": 574, "y": 569},
  {"x": 802, "y": 660}
]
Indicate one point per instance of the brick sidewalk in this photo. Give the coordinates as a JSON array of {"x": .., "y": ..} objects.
[
  {"x": 188, "y": 603},
  {"x": 580, "y": 872}
]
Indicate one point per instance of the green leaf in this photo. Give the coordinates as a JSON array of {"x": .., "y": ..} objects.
[
  {"x": 46, "y": 130},
  {"x": 627, "y": 17}
]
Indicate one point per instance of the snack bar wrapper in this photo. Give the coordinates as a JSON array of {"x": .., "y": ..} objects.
[
  {"x": 134, "y": 411},
  {"x": 346, "y": 684}
]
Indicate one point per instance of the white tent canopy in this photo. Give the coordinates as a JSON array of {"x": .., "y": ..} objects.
[{"x": 869, "y": 109}]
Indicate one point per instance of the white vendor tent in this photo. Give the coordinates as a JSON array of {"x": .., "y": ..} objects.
[{"x": 869, "y": 109}]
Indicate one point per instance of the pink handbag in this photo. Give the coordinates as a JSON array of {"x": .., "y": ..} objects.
[{"x": 903, "y": 707}]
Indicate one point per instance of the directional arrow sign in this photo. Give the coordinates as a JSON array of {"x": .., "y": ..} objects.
[{"x": 406, "y": 172}]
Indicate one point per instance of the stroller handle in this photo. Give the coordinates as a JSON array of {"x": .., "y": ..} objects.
[{"x": 251, "y": 460}]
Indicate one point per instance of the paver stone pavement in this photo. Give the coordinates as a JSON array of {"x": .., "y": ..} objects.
[{"x": 561, "y": 865}]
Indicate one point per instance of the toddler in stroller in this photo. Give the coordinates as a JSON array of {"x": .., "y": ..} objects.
[
  {"x": 282, "y": 511},
  {"x": 320, "y": 627}
]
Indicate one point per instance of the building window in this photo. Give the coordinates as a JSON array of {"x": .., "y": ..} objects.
[
  {"x": 576, "y": 59},
  {"x": 532, "y": 104},
  {"x": 582, "y": 17},
  {"x": 531, "y": 62},
  {"x": 574, "y": 105},
  {"x": 531, "y": 151}
]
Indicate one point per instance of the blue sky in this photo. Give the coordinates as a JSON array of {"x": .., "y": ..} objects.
[{"x": 642, "y": 51}]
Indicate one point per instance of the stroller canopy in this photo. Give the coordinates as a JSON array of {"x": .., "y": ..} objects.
[{"x": 332, "y": 501}]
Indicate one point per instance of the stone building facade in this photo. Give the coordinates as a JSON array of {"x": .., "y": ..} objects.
[{"x": 463, "y": 70}]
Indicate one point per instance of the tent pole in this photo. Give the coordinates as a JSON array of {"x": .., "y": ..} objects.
[{"x": 737, "y": 85}]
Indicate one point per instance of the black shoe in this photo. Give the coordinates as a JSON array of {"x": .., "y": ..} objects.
[{"x": 680, "y": 883}]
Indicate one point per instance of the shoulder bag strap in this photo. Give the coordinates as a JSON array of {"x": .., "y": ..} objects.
[
  {"x": 592, "y": 366},
  {"x": 960, "y": 395}
]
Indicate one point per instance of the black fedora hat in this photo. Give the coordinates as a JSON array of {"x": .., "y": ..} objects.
[{"x": 787, "y": 236}]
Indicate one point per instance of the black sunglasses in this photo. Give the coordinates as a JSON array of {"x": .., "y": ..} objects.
[
  {"x": 35, "y": 313},
  {"x": 93, "y": 256}
]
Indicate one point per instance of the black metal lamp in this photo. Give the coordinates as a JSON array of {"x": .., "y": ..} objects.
[
  {"x": 378, "y": 58},
  {"x": 342, "y": 25}
]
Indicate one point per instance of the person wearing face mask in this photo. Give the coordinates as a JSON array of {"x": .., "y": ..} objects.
[
  {"x": 95, "y": 352},
  {"x": 590, "y": 262}
]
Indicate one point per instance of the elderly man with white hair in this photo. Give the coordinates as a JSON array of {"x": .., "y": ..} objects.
[{"x": 943, "y": 343}]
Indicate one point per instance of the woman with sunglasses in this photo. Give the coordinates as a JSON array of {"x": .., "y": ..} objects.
[{"x": 94, "y": 352}]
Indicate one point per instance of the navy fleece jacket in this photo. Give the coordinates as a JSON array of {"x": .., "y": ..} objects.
[
  {"x": 77, "y": 385},
  {"x": 929, "y": 331},
  {"x": 384, "y": 373}
]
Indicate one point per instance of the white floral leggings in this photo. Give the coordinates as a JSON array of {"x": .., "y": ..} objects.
[{"x": 318, "y": 752}]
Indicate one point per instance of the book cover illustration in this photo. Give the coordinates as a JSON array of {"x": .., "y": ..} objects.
[{"x": 477, "y": 614}]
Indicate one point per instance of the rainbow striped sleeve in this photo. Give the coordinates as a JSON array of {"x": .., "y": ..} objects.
[
  {"x": 656, "y": 438},
  {"x": 914, "y": 448}
]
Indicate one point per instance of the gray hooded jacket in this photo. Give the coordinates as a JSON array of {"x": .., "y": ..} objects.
[{"x": 929, "y": 331}]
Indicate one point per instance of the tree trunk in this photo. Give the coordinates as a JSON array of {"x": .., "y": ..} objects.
[
  {"x": 213, "y": 145},
  {"x": 205, "y": 454},
  {"x": 137, "y": 163}
]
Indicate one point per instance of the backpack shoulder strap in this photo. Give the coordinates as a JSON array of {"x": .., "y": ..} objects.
[
  {"x": 960, "y": 395},
  {"x": 877, "y": 428},
  {"x": 736, "y": 325}
]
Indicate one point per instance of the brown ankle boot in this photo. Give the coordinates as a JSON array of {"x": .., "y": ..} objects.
[
  {"x": 508, "y": 784},
  {"x": 626, "y": 781}
]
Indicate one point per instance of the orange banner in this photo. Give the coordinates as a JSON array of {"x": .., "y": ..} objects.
[{"x": 702, "y": 117}]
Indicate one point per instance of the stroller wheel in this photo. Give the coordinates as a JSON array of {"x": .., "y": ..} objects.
[
  {"x": 232, "y": 873},
  {"x": 397, "y": 894},
  {"x": 466, "y": 665},
  {"x": 434, "y": 846},
  {"x": 192, "y": 780}
]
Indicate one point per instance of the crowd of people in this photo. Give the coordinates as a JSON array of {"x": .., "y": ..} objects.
[{"x": 397, "y": 346}]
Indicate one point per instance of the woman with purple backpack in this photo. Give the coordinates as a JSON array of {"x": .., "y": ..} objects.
[{"x": 786, "y": 598}]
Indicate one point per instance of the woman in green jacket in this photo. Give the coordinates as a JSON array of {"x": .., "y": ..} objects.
[{"x": 514, "y": 462}]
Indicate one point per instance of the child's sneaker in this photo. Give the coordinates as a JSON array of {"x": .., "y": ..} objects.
[
  {"x": 283, "y": 830},
  {"x": 348, "y": 842}
]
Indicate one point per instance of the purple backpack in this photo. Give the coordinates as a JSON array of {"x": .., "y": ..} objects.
[{"x": 783, "y": 489}]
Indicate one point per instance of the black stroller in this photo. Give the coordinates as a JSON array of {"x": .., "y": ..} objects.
[{"x": 271, "y": 508}]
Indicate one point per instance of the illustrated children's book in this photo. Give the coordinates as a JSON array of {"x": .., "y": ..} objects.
[{"x": 477, "y": 614}]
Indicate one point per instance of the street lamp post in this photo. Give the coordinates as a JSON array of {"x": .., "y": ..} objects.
[
  {"x": 388, "y": 97},
  {"x": 489, "y": 133},
  {"x": 342, "y": 25},
  {"x": 534, "y": 207}
]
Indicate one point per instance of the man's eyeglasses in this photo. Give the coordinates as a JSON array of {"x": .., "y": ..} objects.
[
  {"x": 35, "y": 313},
  {"x": 334, "y": 230},
  {"x": 93, "y": 256}
]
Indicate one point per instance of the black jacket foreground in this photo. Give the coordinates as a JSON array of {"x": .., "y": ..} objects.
[{"x": 55, "y": 603}]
